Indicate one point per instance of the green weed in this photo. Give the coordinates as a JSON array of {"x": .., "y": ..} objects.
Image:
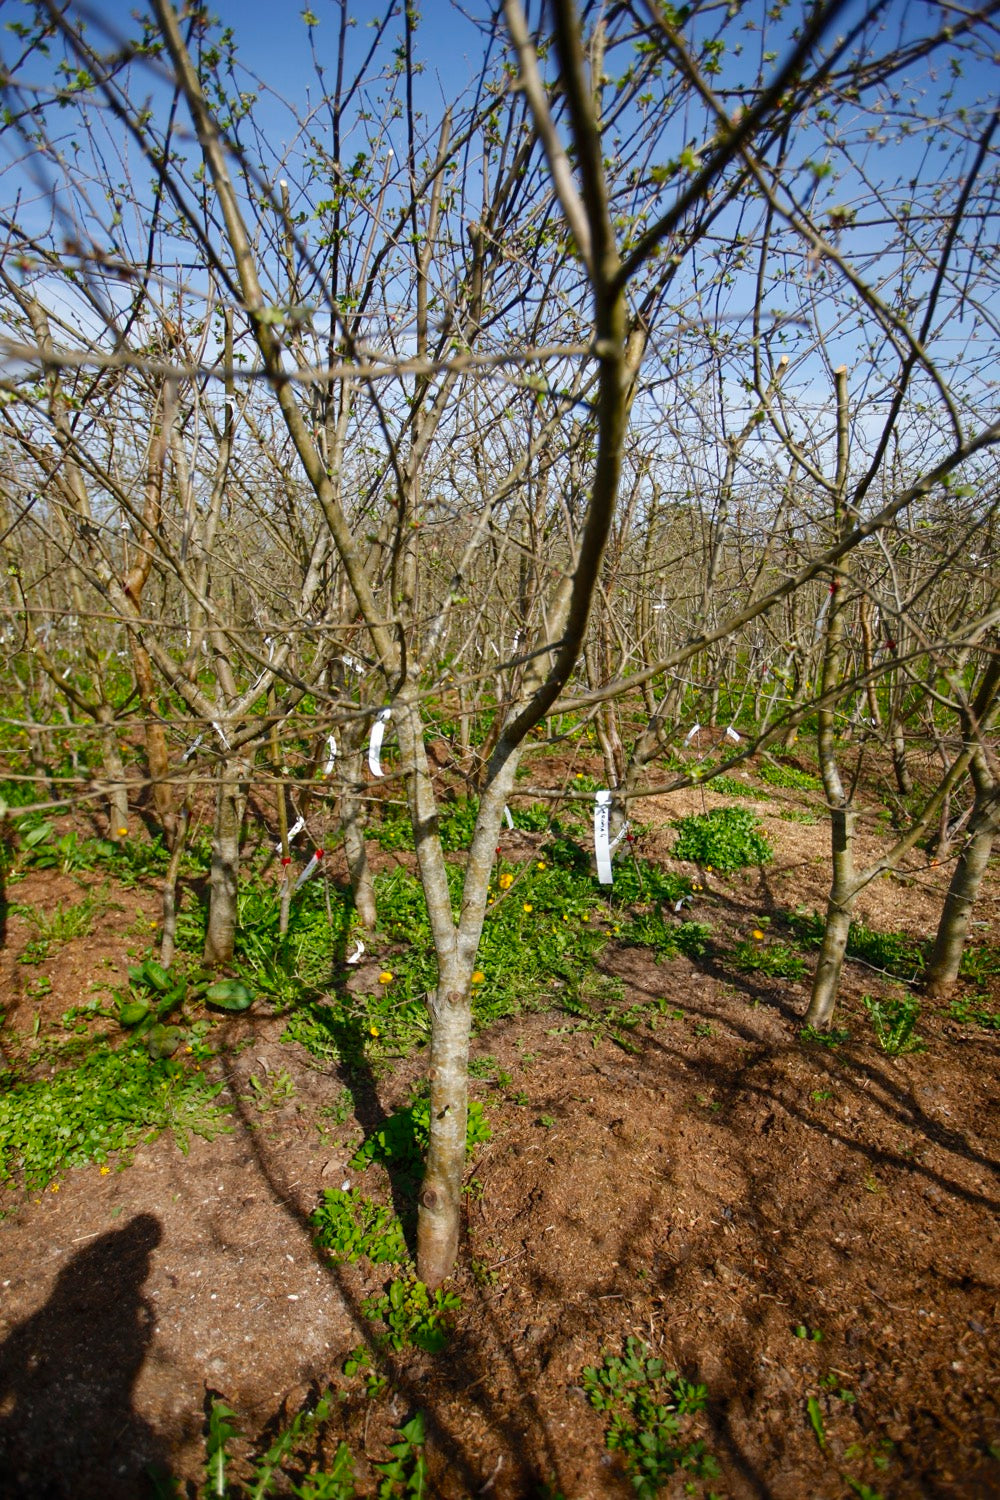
[
  {"x": 667, "y": 939},
  {"x": 405, "y": 1473},
  {"x": 649, "y": 1411},
  {"x": 816, "y": 1420},
  {"x": 754, "y": 957},
  {"x": 980, "y": 961},
  {"x": 894, "y": 1021},
  {"x": 60, "y": 927},
  {"x": 831, "y": 1039},
  {"x": 893, "y": 953},
  {"x": 413, "y": 1316},
  {"x": 348, "y": 1226},
  {"x": 269, "y": 1474},
  {"x": 968, "y": 1012},
  {"x": 729, "y": 786},
  {"x": 401, "y": 1143},
  {"x": 791, "y": 777},
  {"x": 109, "y": 1102},
  {"x": 271, "y": 1091},
  {"x": 725, "y": 839}
]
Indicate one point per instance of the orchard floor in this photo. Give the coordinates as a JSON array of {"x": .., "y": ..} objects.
[{"x": 717, "y": 1193}]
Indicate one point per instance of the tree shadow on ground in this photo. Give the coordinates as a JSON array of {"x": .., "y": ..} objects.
[{"x": 68, "y": 1427}]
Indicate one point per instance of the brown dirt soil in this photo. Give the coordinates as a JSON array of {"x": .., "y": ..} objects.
[{"x": 722, "y": 1186}]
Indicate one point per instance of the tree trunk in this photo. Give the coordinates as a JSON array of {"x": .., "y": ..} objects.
[
  {"x": 168, "y": 934},
  {"x": 823, "y": 1001},
  {"x": 439, "y": 1213},
  {"x": 114, "y": 770},
  {"x": 224, "y": 879},
  {"x": 157, "y": 755},
  {"x": 953, "y": 928}
]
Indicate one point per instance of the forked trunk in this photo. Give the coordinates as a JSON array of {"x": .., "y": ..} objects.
[{"x": 224, "y": 879}]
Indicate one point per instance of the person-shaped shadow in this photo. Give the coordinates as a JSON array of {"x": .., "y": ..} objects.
[{"x": 67, "y": 1373}]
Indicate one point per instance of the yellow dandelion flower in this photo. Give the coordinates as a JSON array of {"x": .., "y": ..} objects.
[
  {"x": 506, "y": 881},
  {"x": 105, "y": 1171},
  {"x": 708, "y": 869},
  {"x": 579, "y": 775},
  {"x": 55, "y": 1187},
  {"x": 757, "y": 935},
  {"x": 585, "y": 917},
  {"x": 565, "y": 917},
  {"x": 373, "y": 1031},
  {"x": 528, "y": 906},
  {"x": 122, "y": 832},
  {"x": 478, "y": 977},
  {"x": 541, "y": 865},
  {"x": 385, "y": 977}
]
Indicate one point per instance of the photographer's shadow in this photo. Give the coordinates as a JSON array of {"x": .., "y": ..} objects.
[{"x": 67, "y": 1374}]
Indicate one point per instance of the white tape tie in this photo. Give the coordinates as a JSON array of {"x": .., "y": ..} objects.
[
  {"x": 602, "y": 851},
  {"x": 731, "y": 734},
  {"x": 691, "y": 733},
  {"x": 821, "y": 617},
  {"x": 352, "y": 665},
  {"x": 331, "y": 745},
  {"x": 375, "y": 743},
  {"x": 507, "y": 816},
  {"x": 356, "y": 956},
  {"x": 296, "y": 828},
  {"x": 621, "y": 834},
  {"x": 310, "y": 869},
  {"x": 221, "y": 733},
  {"x": 191, "y": 749}
]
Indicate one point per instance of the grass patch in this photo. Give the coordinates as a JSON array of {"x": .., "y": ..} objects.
[{"x": 776, "y": 774}]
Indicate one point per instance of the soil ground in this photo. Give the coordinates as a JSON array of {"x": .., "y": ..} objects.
[{"x": 720, "y": 1191}]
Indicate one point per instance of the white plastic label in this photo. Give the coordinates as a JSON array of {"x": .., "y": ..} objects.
[
  {"x": 310, "y": 869},
  {"x": 295, "y": 828},
  {"x": 731, "y": 734},
  {"x": 331, "y": 745},
  {"x": 357, "y": 955},
  {"x": 375, "y": 743},
  {"x": 691, "y": 733},
  {"x": 602, "y": 850},
  {"x": 507, "y": 817}
]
